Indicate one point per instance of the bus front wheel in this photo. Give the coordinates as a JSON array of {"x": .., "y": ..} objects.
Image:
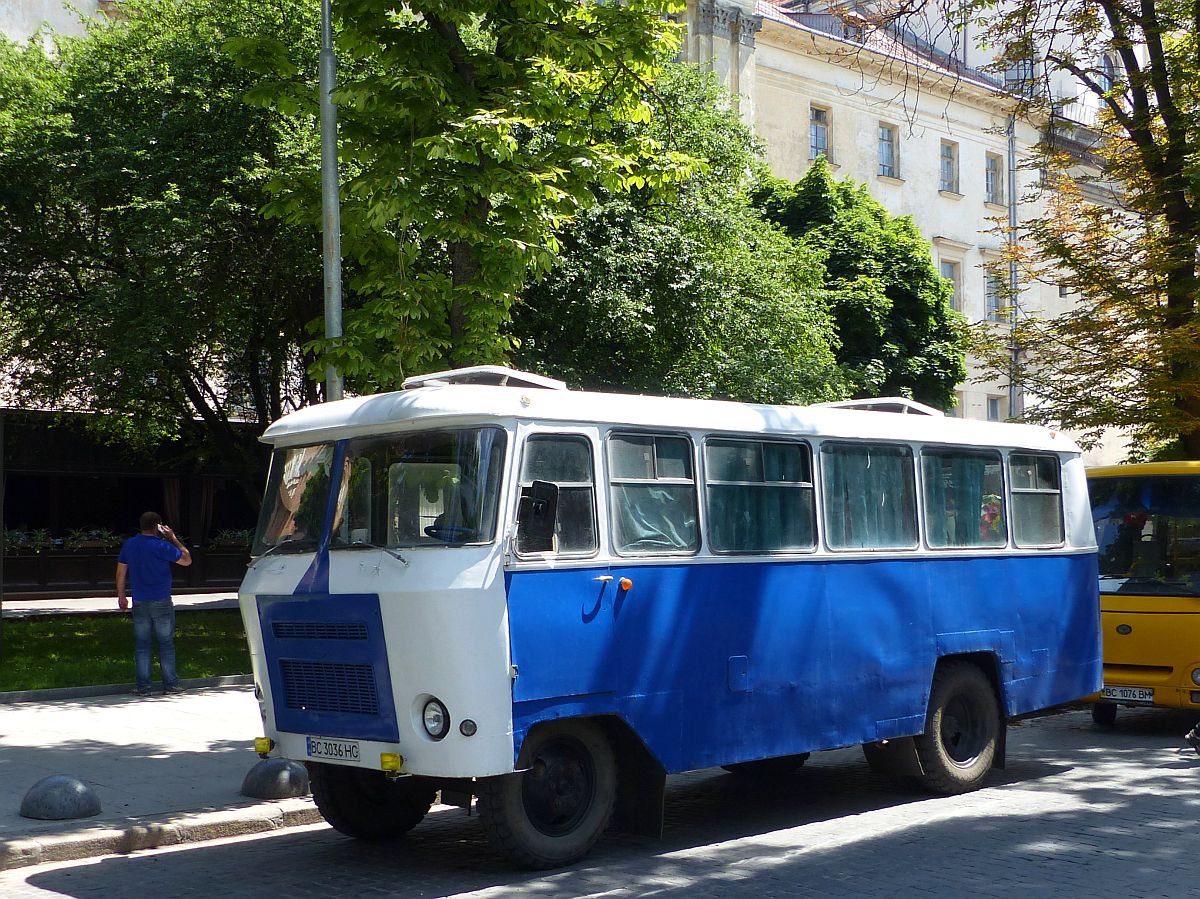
[
  {"x": 962, "y": 729},
  {"x": 553, "y": 812},
  {"x": 365, "y": 804}
]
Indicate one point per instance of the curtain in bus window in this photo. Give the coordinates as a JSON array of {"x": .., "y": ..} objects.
[
  {"x": 759, "y": 496},
  {"x": 869, "y": 497},
  {"x": 654, "y": 519},
  {"x": 963, "y": 504},
  {"x": 653, "y": 494}
]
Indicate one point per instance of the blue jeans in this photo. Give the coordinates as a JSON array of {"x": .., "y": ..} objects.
[{"x": 157, "y": 617}]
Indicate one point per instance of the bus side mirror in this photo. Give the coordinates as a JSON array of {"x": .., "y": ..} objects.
[{"x": 535, "y": 518}]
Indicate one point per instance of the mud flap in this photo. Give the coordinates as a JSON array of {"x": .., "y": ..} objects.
[{"x": 897, "y": 758}]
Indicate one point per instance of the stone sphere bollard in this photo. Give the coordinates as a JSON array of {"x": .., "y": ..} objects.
[
  {"x": 59, "y": 797},
  {"x": 276, "y": 779}
]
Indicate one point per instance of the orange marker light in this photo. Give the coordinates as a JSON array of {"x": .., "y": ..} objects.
[{"x": 626, "y": 583}]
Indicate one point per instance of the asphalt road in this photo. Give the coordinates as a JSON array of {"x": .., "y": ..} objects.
[{"x": 1079, "y": 811}]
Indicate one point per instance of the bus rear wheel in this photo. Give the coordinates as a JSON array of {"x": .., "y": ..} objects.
[
  {"x": 553, "y": 812},
  {"x": 365, "y": 804},
  {"x": 962, "y": 729}
]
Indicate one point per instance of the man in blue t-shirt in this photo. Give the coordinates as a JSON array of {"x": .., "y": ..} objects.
[{"x": 146, "y": 560}]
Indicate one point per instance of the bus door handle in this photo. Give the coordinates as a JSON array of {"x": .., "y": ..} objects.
[{"x": 603, "y": 579}]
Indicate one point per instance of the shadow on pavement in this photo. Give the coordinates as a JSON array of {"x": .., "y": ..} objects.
[{"x": 1075, "y": 814}]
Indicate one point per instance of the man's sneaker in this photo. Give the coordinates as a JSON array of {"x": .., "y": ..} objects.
[
  {"x": 169, "y": 689},
  {"x": 140, "y": 691},
  {"x": 1192, "y": 737}
]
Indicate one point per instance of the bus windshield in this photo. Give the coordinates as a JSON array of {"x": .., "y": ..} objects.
[
  {"x": 1148, "y": 531},
  {"x": 431, "y": 488}
]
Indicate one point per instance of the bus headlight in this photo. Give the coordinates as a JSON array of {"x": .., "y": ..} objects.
[
  {"x": 436, "y": 719},
  {"x": 1196, "y": 676}
]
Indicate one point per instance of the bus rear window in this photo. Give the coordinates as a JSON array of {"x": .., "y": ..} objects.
[{"x": 1036, "y": 500}]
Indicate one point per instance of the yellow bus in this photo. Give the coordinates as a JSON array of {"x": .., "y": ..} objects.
[{"x": 1147, "y": 520}]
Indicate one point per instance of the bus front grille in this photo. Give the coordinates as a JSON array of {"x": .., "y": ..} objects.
[
  {"x": 315, "y": 686},
  {"x": 319, "y": 630}
]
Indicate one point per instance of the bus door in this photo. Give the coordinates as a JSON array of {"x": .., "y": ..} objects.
[{"x": 560, "y": 595}]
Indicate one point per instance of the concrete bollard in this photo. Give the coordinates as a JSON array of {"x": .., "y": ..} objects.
[
  {"x": 59, "y": 797},
  {"x": 276, "y": 779}
]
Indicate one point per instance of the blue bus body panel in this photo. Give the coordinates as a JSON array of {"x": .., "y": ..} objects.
[
  {"x": 717, "y": 663},
  {"x": 327, "y": 665}
]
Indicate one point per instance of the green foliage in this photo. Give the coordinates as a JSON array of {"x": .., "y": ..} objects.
[
  {"x": 1120, "y": 226},
  {"x": 471, "y": 131},
  {"x": 140, "y": 280},
  {"x": 685, "y": 290},
  {"x": 899, "y": 335}
]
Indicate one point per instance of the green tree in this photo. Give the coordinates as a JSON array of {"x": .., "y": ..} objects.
[
  {"x": 686, "y": 290},
  {"x": 898, "y": 334},
  {"x": 1127, "y": 355},
  {"x": 138, "y": 278},
  {"x": 471, "y": 131}
]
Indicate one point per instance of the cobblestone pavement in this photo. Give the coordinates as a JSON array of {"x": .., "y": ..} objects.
[{"x": 1078, "y": 812}]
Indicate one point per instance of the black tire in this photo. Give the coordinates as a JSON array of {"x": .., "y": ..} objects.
[
  {"x": 962, "y": 730},
  {"x": 365, "y": 804},
  {"x": 1104, "y": 713},
  {"x": 553, "y": 812},
  {"x": 780, "y": 766}
]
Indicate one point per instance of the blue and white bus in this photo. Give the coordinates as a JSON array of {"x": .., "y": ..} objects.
[{"x": 542, "y": 601}]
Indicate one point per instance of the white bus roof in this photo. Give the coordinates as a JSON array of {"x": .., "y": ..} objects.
[{"x": 441, "y": 404}]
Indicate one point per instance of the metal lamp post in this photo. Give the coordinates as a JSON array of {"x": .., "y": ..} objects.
[{"x": 331, "y": 216}]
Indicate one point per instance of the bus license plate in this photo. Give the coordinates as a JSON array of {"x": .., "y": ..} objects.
[
  {"x": 336, "y": 750},
  {"x": 1128, "y": 694}
]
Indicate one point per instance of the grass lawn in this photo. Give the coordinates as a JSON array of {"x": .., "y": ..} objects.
[{"x": 80, "y": 650}]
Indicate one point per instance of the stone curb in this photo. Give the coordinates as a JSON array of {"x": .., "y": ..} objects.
[
  {"x": 56, "y": 693},
  {"x": 141, "y": 833}
]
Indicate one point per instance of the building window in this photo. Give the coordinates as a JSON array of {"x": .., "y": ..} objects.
[
  {"x": 818, "y": 132},
  {"x": 993, "y": 179},
  {"x": 1109, "y": 70},
  {"x": 996, "y": 408},
  {"x": 948, "y": 180},
  {"x": 950, "y": 271},
  {"x": 996, "y": 311},
  {"x": 1019, "y": 76},
  {"x": 888, "y": 142}
]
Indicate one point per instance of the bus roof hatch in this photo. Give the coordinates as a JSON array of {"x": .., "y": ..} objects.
[{"x": 493, "y": 375}]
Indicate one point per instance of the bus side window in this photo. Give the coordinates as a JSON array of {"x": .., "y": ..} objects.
[
  {"x": 653, "y": 494},
  {"x": 964, "y": 498},
  {"x": 759, "y": 495},
  {"x": 564, "y": 460},
  {"x": 870, "y": 496},
  {"x": 1037, "y": 512}
]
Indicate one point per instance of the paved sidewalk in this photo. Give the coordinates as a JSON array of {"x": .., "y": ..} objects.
[
  {"x": 167, "y": 770},
  {"x": 28, "y": 608}
]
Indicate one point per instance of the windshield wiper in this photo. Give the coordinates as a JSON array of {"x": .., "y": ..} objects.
[
  {"x": 293, "y": 546},
  {"x": 366, "y": 544}
]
